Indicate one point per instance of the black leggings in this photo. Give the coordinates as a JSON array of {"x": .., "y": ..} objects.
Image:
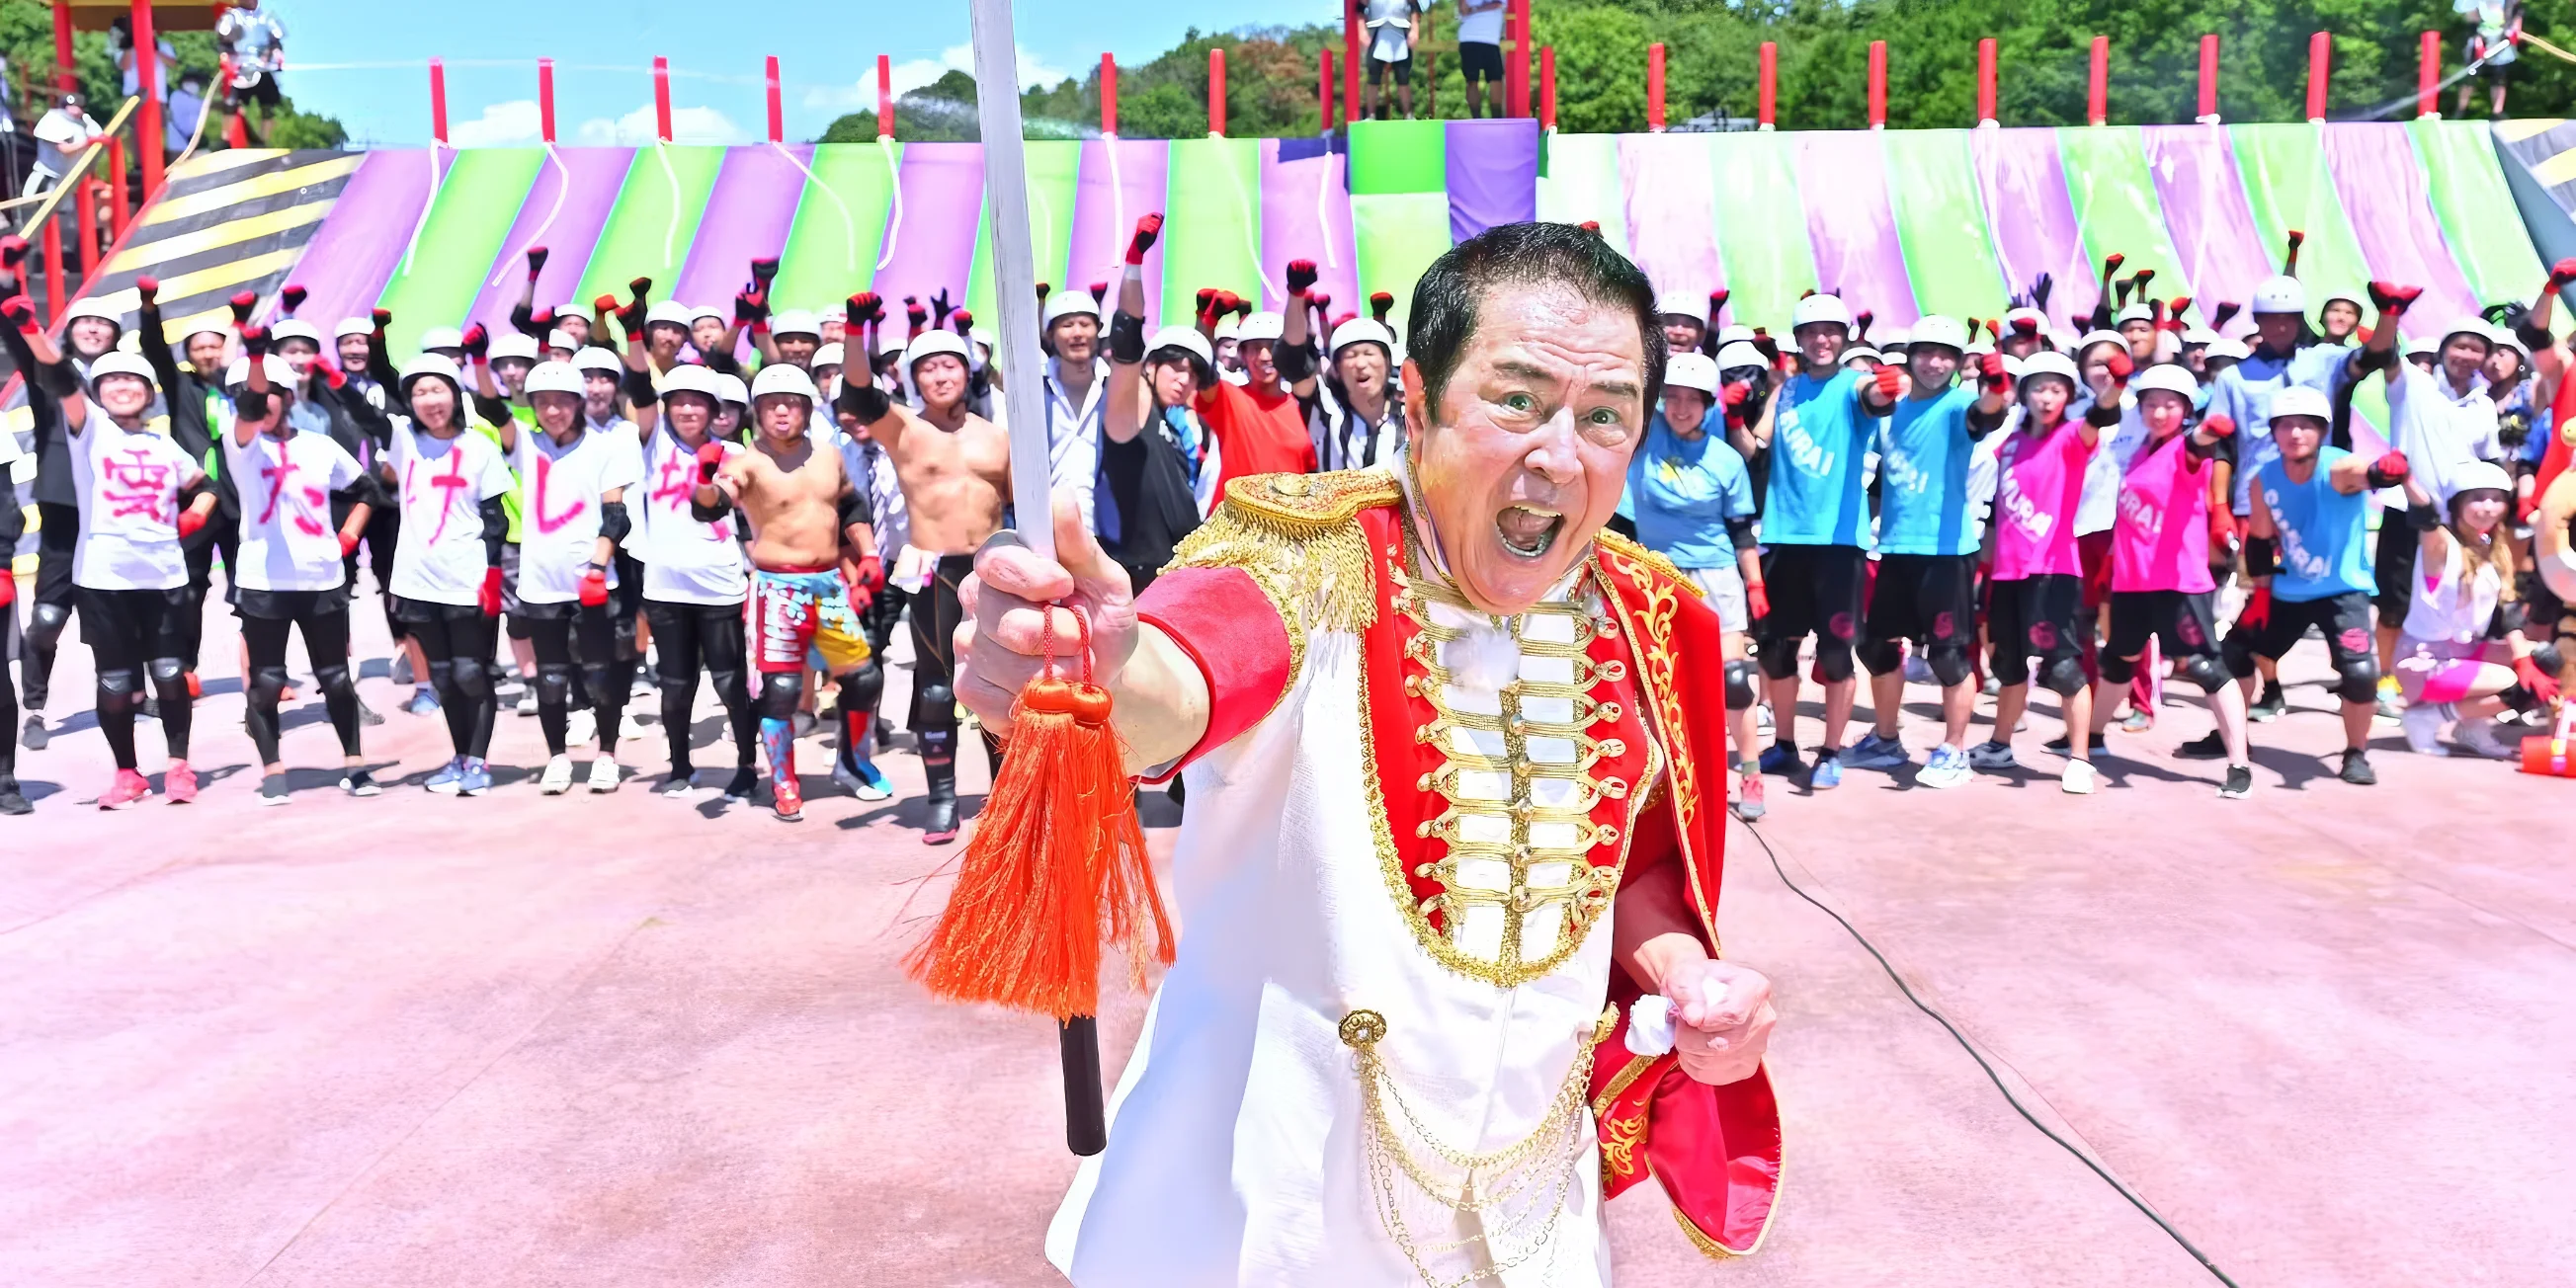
[
  {"x": 57, "y": 536},
  {"x": 687, "y": 637},
  {"x": 383, "y": 530},
  {"x": 935, "y": 617},
  {"x": 130, "y": 633},
  {"x": 323, "y": 616},
  {"x": 457, "y": 641},
  {"x": 606, "y": 669}
]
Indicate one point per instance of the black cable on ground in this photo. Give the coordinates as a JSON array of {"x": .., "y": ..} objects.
[{"x": 1973, "y": 1054}]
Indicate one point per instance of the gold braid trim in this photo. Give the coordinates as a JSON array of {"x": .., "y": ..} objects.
[
  {"x": 1613, "y": 543},
  {"x": 1299, "y": 538}
]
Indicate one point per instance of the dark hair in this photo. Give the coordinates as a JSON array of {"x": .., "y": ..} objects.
[
  {"x": 1445, "y": 300},
  {"x": 1172, "y": 353}
]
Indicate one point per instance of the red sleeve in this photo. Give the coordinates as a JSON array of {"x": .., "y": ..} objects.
[{"x": 1221, "y": 618}]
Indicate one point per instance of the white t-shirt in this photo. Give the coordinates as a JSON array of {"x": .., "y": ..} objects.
[
  {"x": 685, "y": 561},
  {"x": 2439, "y": 428},
  {"x": 442, "y": 484},
  {"x": 559, "y": 491},
  {"x": 129, "y": 483},
  {"x": 1484, "y": 28},
  {"x": 287, "y": 539}
]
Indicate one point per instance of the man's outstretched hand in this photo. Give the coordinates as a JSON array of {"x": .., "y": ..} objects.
[
  {"x": 1722, "y": 1019},
  {"x": 1001, "y": 645}
]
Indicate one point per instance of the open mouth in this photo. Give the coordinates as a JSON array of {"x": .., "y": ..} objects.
[{"x": 1528, "y": 532}]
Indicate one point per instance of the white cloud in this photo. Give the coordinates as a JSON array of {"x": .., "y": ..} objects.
[
  {"x": 509, "y": 124},
  {"x": 912, "y": 74},
  {"x": 701, "y": 125}
]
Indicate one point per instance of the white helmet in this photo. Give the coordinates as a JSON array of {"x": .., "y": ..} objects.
[
  {"x": 690, "y": 378},
  {"x": 1674, "y": 304},
  {"x": 1739, "y": 353},
  {"x": 2300, "y": 400},
  {"x": 705, "y": 312},
  {"x": 2091, "y": 338},
  {"x": 2475, "y": 326},
  {"x": 294, "y": 329},
  {"x": 828, "y": 355},
  {"x": 2279, "y": 294},
  {"x": 929, "y": 343},
  {"x": 427, "y": 364},
  {"x": 1861, "y": 353},
  {"x": 512, "y": 344},
  {"x": 888, "y": 341},
  {"x": 796, "y": 322},
  {"x": 2479, "y": 475},
  {"x": 442, "y": 337},
  {"x": 131, "y": 364},
  {"x": 1692, "y": 371},
  {"x": 595, "y": 358},
  {"x": 671, "y": 311},
  {"x": 1733, "y": 332},
  {"x": 553, "y": 378},
  {"x": 92, "y": 308},
  {"x": 1820, "y": 308},
  {"x": 1070, "y": 303},
  {"x": 2412, "y": 345},
  {"x": 1938, "y": 329},
  {"x": 353, "y": 326},
  {"x": 2223, "y": 347},
  {"x": 783, "y": 378},
  {"x": 1185, "y": 337},
  {"x": 2048, "y": 362},
  {"x": 1264, "y": 325},
  {"x": 561, "y": 339},
  {"x": 729, "y": 388},
  {"x": 2172, "y": 377},
  {"x": 281, "y": 374},
  {"x": 2134, "y": 313},
  {"x": 2038, "y": 321},
  {"x": 1228, "y": 329},
  {"x": 1362, "y": 331}
]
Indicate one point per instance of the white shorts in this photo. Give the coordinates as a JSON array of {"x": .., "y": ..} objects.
[{"x": 1724, "y": 586}]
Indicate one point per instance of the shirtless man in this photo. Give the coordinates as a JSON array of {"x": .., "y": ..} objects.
[
  {"x": 814, "y": 567},
  {"x": 955, "y": 467}
]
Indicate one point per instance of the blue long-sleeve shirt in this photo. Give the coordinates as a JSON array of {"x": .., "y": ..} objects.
[
  {"x": 1684, "y": 490},
  {"x": 2243, "y": 393}
]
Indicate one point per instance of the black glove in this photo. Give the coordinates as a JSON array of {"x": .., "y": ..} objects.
[{"x": 862, "y": 401}]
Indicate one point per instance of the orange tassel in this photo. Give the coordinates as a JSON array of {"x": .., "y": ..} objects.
[{"x": 1056, "y": 865}]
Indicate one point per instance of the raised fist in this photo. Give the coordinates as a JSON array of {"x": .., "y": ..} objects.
[
  {"x": 2391, "y": 298},
  {"x": 1717, "y": 303},
  {"x": 1147, "y": 229},
  {"x": 536, "y": 261},
  {"x": 242, "y": 303},
  {"x": 1301, "y": 276},
  {"x": 764, "y": 270},
  {"x": 255, "y": 343},
  {"x": 2119, "y": 366},
  {"x": 2218, "y": 425},
  {"x": 1891, "y": 382},
  {"x": 381, "y": 317},
  {"x": 1381, "y": 303},
  {"x": 639, "y": 287},
  {"x": 2111, "y": 263},
  {"x": 148, "y": 287},
  {"x": 476, "y": 342},
  {"x": 2562, "y": 273},
  {"x": 710, "y": 459},
  {"x": 1991, "y": 373}
]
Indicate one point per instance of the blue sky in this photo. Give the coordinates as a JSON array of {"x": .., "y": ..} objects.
[{"x": 365, "y": 63}]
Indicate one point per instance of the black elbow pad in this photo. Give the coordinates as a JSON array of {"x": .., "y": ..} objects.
[
  {"x": 1126, "y": 338},
  {"x": 613, "y": 523},
  {"x": 637, "y": 386},
  {"x": 862, "y": 401},
  {"x": 2371, "y": 360},
  {"x": 707, "y": 513},
  {"x": 2102, "y": 415},
  {"x": 1740, "y": 531},
  {"x": 852, "y": 508},
  {"x": 58, "y": 378},
  {"x": 1296, "y": 362},
  {"x": 496, "y": 528},
  {"x": 1980, "y": 424},
  {"x": 2260, "y": 557}
]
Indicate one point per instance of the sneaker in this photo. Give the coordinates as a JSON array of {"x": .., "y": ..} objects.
[
  {"x": 1991, "y": 687},
  {"x": 34, "y": 737},
  {"x": 745, "y": 782},
  {"x": 2269, "y": 706},
  {"x": 445, "y": 781},
  {"x": 2059, "y": 744},
  {"x": 179, "y": 783},
  {"x": 1875, "y": 752},
  {"x": 358, "y": 782},
  {"x": 400, "y": 672},
  {"x": 2356, "y": 768},
  {"x": 678, "y": 782},
  {"x": 2480, "y": 738},
  {"x": 802, "y": 724},
  {"x": 2208, "y": 746},
  {"x": 581, "y": 728},
  {"x": 629, "y": 729},
  {"x": 1762, "y": 715},
  {"x": 940, "y": 826},
  {"x": 862, "y": 779},
  {"x": 1780, "y": 758},
  {"x": 2389, "y": 703},
  {"x": 13, "y": 802},
  {"x": 1992, "y": 755},
  {"x": 476, "y": 779},
  {"x": 557, "y": 778},
  {"x": 272, "y": 789},
  {"x": 2139, "y": 720},
  {"x": 787, "y": 799},
  {"x": 1827, "y": 774},
  {"x": 367, "y": 717},
  {"x": 1918, "y": 671},
  {"x": 527, "y": 701},
  {"x": 2423, "y": 725},
  {"x": 603, "y": 774},
  {"x": 1748, "y": 799},
  {"x": 128, "y": 789},
  {"x": 1945, "y": 768},
  {"x": 2239, "y": 784},
  {"x": 2077, "y": 780},
  {"x": 424, "y": 701}
]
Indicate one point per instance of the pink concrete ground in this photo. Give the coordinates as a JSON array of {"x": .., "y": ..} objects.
[{"x": 639, "y": 1042}]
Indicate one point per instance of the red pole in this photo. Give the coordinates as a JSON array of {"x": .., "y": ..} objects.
[
  {"x": 2209, "y": 79},
  {"x": 2097, "y": 96},
  {"x": 437, "y": 100},
  {"x": 1519, "y": 70},
  {"x": 65, "y": 80},
  {"x": 1351, "y": 63},
  {"x": 1109, "y": 93},
  {"x": 546, "y": 99},
  {"x": 1986, "y": 81},
  {"x": 237, "y": 135},
  {"x": 54, "y": 300},
  {"x": 147, "y": 115},
  {"x": 777, "y": 108},
  {"x": 1878, "y": 84},
  {"x": 1324, "y": 89},
  {"x": 1216, "y": 92},
  {"x": 2320, "y": 63},
  {"x": 120, "y": 212},
  {"x": 1655, "y": 88},
  {"x": 885, "y": 97},
  {"x": 1547, "y": 87},
  {"x": 2428, "y": 77},
  {"x": 1770, "y": 82},
  {"x": 662, "y": 98}
]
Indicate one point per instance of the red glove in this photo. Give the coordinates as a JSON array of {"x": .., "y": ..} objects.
[
  {"x": 2218, "y": 425},
  {"x": 476, "y": 342},
  {"x": 2181, "y": 305},
  {"x": 2142, "y": 277},
  {"x": 940, "y": 308},
  {"x": 489, "y": 600},
  {"x": 1991, "y": 373},
  {"x": 745, "y": 308},
  {"x": 147, "y": 286},
  {"x": 255, "y": 342},
  {"x": 711, "y": 456},
  {"x": 604, "y": 304},
  {"x": 2390, "y": 470},
  {"x": 2562, "y": 273},
  {"x": 2391, "y": 298},
  {"x": 2258, "y": 609},
  {"x": 13, "y": 252},
  {"x": 1147, "y": 229},
  {"x": 536, "y": 261},
  {"x": 330, "y": 372},
  {"x": 1757, "y": 600},
  {"x": 1732, "y": 397},
  {"x": 1380, "y": 304},
  {"x": 1320, "y": 300},
  {"x": 764, "y": 271},
  {"x": 1301, "y": 276},
  {"x": 594, "y": 587},
  {"x": 2025, "y": 326},
  {"x": 1717, "y": 303},
  {"x": 869, "y": 579},
  {"x": 2111, "y": 263},
  {"x": 349, "y": 541},
  {"x": 1890, "y": 382},
  {"x": 1240, "y": 307},
  {"x": 639, "y": 286},
  {"x": 1099, "y": 292},
  {"x": 189, "y": 522},
  {"x": 8, "y": 588},
  {"x": 20, "y": 311},
  {"x": 2222, "y": 533},
  {"x": 914, "y": 313},
  {"x": 382, "y": 318},
  {"x": 1044, "y": 290},
  {"x": 2120, "y": 366},
  {"x": 962, "y": 320},
  {"x": 242, "y": 303},
  {"x": 291, "y": 299},
  {"x": 2542, "y": 684},
  {"x": 543, "y": 320}
]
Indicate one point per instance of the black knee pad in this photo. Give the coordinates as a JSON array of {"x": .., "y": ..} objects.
[
  {"x": 602, "y": 686},
  {"x": 934, "y": 706},
  {"x": 729, "y": 688},
  {"x": 1740, "y": 694},
  {"x": 1778, "y": 659},
  {"x": 2201, "y": 669},
  {"x": 2357, "y": 678},
  {"x": 2064, "y": 677},
  {"x": 861, "y": 688},
  {"x": 473, "y": 677},
  {"x": 2118, "y": 670},
  {"x": 119, "y": 691},
  {"x": 1949, "y": 663},
  {"x": 1881, "y": 657},
  {"x": 554, "y": 684},
  {"x": 45, "y": 625},
  {"x": 442, "y": 681},
  {"x": 1833, "y": 659},
  {"x": 169, "y": 678},
  {"x": 335, "y": 680},
  {"x": 779, "y": 691},
  {"x": 268, "y": 684},
  {"x": 2237, "y": 651}
]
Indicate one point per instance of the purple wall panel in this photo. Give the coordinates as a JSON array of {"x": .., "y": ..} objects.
[
  {"x": 1853, "y": 228},
  {"x": 1108, "y": 200},
  {"x": 2383, "y": 189},
  {"x": 587, "y": 184},
  {"x": 930, "y": 237},
  {"x": 1492, "y": 173},
  {"x": 360, "y": 243},
  {"x": 2203, "y": 196},
  {"x": 748, "y": 215},
  {"x": 1306, "y": 214},
  {"x": 2033, "y": 221},
  {"x": 1669, "y": 192}
]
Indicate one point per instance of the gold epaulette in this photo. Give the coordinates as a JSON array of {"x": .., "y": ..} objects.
[
  {"x": 1628, "y": 547},
  {"x": 1299, "y": 537}
]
